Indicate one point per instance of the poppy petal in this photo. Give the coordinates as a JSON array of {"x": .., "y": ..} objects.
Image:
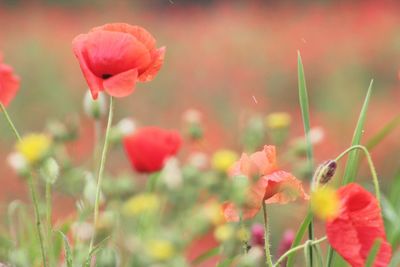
[
  {"x": 281, "y": 187},
  {"x": 353, "y": 232},
  {"x": 154, "y": 67},
  {"x": 121, "y": 84},
  {"x": 94, "y": 82},
  {"x": 9, "y": 84},
  {"x": 138, "y": 32}
]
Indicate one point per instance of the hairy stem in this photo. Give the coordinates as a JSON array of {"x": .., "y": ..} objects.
[
  {"x": 31, "y": 187},
  {"x": 101, "y": 170},
  {"x": 266, "y": 237}
]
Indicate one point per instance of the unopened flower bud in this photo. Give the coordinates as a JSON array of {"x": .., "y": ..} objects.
[
  {"x": 94, "y": 108},
  {"x": 257, "y": 235},
  {"x": 18, "y": 163},
  {"x": 325, "y": 172},
  {"x": 50, "y": 170},
  {"x": 89, "y": 192}
]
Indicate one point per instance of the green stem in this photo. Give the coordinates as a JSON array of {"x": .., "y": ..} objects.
[
  {"x": 101, "y": 171},
  {"x": 370, "y": 164},
  {"x": 266, "y": 237},
  {"x": 293, "y": 250},
  {"x": 10, "y": 123},
  {"x": 31, "y": 187},
  {"x": 49, "y": 222}
]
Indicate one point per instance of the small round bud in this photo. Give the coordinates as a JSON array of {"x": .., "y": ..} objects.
[
  {"x": 50, "y": 170},
  {"x": 95, "y": 109}
]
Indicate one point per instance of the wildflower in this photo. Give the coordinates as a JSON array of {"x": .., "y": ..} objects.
[
  {"x": 171, "y": 174},
  {"x": 161, "y": 250},
  {"x": 278, "y": 120},
  {"x": 257, "y": 235},
  {"x": 142, "y": 203},
  {"x": 268, "y": 184},
  {"x": 243, "y": 234},
  {"x": 224, "y": 232},
  {"x": 222, "y": 160},
  {"x": 9, "y": 83},
  {"x": 18, "y": 163},
  {"x": 325, "y": 203},
  {"x": 113, "y": 57},
  {"x": 212, "y": 211},
  {"x": 359, "y": 223},
  {"x": 34, "y": 147},
  {"x": 148, "y": 148}
]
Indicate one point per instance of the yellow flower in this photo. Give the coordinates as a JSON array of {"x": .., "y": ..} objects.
[
  {"x": 325, "y": 203},
  {"x": 145, "y": 202},
  {"x": 222, "y": 160},
  {"x": 161, "y": 250},
  {"x": 213, "y": 211},
  {"x": 224, "y": 232},
  {"x": 34, "y": 147},
  {"x": 243, "y": 234},
  {"x": 278, "y": 120}
]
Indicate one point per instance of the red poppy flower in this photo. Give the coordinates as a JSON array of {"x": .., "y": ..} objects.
[
  {"x": 268, "y": 184},
  {"x": 359, "y": 223},
  {"x": 148, "y": 148},
  {"x": 114, "y": 56},
  {"x": 9, "y": 83}
]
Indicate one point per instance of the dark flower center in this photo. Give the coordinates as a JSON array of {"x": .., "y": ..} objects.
[{"x": 106, "y": 76}]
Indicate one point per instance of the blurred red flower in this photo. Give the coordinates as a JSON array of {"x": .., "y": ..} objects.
[
  {"x": 148, "y": 148},
  {"x": 114, "y": 56},
  {"x": 9, "y": 83},
  {"x": 353, "y": 232},
  {"x": 267, "y": 183}
]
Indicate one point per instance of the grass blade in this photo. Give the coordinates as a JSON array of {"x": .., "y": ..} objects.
[
  {"x": 352, "y": 161},
  {"x": 305, "y": 114},
  {"x": 299, "y": 236},
  {"x": 373, "y": 253},
  {"x": 67, "y": 247},
  {"x": 206, "y": 255},
  {"x": 385, "y": 131}
]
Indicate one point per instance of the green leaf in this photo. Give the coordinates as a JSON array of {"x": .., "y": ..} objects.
[
  {"x": 67, "y": 247},
  {"x": 373, "y": 253},
  {"x": 225, "y": 263},
  {"x": 206, "y": 255},
  {"x": 299, "y": 236},
  {"x": 385, "y": 131},
  {"x": 352, "y": 161},
  {"x": 305, "y": 113}
]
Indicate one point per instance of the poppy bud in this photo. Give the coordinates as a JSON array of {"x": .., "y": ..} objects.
[
  {"x": 325, "y": 172},
  {"x": 50, "y": 170},
  {"x": 257, "y": 235},
  {"x": 94, "y": 109}
]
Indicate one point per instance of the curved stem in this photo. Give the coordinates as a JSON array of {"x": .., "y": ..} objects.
[
  {"x": 370, "y": 164},
  {"x": 266, "y": 238},
  {"x": 101, "y": 171},
  {"x": 292, "y": 250},
  {"x": 31, "y": 187}
]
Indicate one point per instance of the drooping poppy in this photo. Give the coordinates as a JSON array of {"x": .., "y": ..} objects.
[
  {"x": 353, "y": 231},
  {"x": 9, "y": 83},
  {"x": 113, "y": 57},
  {"x": 148, "y": 148},
  {"x": 267, "y": 183}
]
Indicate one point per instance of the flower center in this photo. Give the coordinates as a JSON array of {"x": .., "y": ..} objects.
[{"x": 106, "y": 76}]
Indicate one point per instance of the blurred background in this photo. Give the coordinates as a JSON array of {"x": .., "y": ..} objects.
[{"x": 231, "y": 60}]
